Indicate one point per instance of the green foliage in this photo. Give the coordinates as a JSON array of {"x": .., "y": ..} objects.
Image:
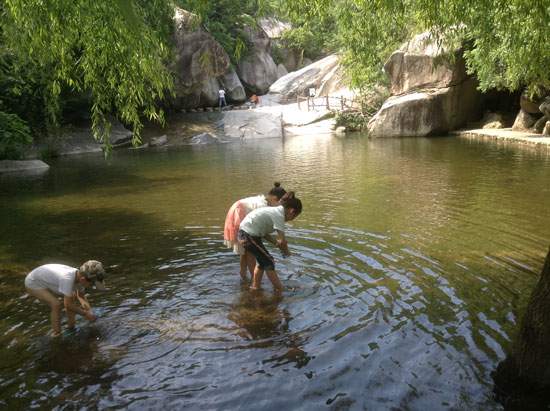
[
  {"x": 21, "y": 93},
  {"x": 350, "y": 119},
  {"x": 117, "y": 55},
  {"x": 506, "y": 41},
  {"x": 303, "y": 40},
  {"x": 227, "y": 21},
  {"x": 277, "y": 52},
  {"x": 14, "y": 136}
]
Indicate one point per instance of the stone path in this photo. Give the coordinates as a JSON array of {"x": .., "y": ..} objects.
[{"x": 506, "y": 134}]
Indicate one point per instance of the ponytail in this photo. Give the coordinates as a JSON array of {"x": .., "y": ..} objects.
[
  {"x": 277, "y": 190},
  {"x": 290, "y": 201}
]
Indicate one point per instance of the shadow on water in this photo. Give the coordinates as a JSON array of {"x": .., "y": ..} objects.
[{"x": 263, "y": 323}]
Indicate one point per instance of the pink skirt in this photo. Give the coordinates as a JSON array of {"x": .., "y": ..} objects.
[{"x": 235, "y": 215}]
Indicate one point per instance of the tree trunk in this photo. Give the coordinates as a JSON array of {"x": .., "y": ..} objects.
[{"x": 523, "y": 378}]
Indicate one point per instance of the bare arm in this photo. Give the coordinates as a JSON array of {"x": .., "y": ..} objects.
[
  {"x": 83, "y": 300},
  {"x": 270, "y": 238},
  {"x": 281, "y": 242},
  {"x": 71, "y": 306}
]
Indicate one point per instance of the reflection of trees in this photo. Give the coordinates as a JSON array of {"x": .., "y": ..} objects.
[{"x": 262, "y": 322}]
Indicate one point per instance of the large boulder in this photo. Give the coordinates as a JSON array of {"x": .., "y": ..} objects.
[
  {"x": 199, "y": 59},
  {"x": 293, "y": 60},
  {"x": 273, "y": 28},
  {"x": 524, "y": 121},
  {"x": 210, "y": 93},
  {"x": 530, "y": 104},
  {"x": 257, "y": 71},
  {"x": 234, "y": 90},
  {"x": 432, "y": 93},
  {"x": 424, "y": 113},
  {"x": 325, "y": 75},
  {"x": 422, "y": 63}
]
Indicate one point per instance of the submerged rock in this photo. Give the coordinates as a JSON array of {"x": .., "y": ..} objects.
[{"x": 8, "y": 166}]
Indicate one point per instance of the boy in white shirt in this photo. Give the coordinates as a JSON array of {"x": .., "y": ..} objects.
[{"x": 49, "y": 281}]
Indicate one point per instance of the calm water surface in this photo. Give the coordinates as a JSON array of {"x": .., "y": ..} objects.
[{"x": 413, "y": 261}]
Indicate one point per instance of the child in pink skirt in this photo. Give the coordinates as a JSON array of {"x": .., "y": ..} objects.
[{"x": 237, "y": 213}]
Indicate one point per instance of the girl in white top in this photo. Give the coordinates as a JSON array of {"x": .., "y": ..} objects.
[
  {"x": 237, "y": 213},
  {"x": 259, "y": 224}
]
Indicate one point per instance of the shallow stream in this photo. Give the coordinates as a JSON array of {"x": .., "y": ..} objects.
[{"x": 412, "y": 264}]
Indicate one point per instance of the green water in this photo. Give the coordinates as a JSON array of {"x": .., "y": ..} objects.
[{"x": 413, "y": 258}]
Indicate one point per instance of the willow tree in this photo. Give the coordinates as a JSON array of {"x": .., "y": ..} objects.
[
  {"x": 116, "y": 52},
  {"x": 506, "y": 41}
]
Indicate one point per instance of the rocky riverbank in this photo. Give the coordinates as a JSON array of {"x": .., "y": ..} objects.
[{"x": 506, "y": 135}]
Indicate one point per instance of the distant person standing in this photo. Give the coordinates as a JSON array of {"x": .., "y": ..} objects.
[
  {"x": 222, "y": 98},
  {"x": 255, "y": 100}
]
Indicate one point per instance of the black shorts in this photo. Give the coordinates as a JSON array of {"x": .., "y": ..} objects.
[{"x": 255, "y": 246}]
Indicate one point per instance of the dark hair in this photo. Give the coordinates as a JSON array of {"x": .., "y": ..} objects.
[
  {"x": 289, "y": 201},
  {"x": 277, "y": 190}
]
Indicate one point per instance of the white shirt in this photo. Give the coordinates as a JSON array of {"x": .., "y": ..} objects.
[
  {"x": 57, "y": 278},
  {"x": 253, "y": 203},
  {"x": 222, "y": 93},
  {"x": 263, "y": 221}
]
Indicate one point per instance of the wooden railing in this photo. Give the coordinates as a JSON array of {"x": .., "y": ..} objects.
[{"x": 334, "y": 103}]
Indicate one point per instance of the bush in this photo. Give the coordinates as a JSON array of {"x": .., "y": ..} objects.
[
  {"x": 14, "y": 136},
  {"x": 350, "y": 119},
  {"x": 277, "y": 52}
]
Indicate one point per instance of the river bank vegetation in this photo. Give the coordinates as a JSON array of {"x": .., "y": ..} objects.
[{"x": 58, "y": 62}]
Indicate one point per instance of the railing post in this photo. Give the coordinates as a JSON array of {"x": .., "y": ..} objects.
[
  {"x": 342, "y": 102},
  {"x": 328, "y": 105},
  {"x": 308, "y": 104}
]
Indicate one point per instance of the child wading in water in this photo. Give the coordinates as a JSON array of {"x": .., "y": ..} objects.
[
  {"x": 49, "y": 281},
  {"x": 260, "y": 223},
  {"x": 237, "y": 213}
]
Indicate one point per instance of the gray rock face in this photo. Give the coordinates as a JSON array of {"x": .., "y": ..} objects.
[
  {"x": 281, "y": 71},
  {"x": 420, "y": 63},
  {"x": 529, "y": 105},
  {"x": 325, "y": 76},
  {"x": 234, "y": 90},
  {"x": 293, "y": 60},
  {"x": 252, "y": 124},
  {"x": 199, "y": 59},
  {"x": 544, "y": 107},
  {"x": 424, "y": 113},
  {"x": 7, "y": 166},
  {"x": 538, "y": 127},
  {"x": 257, "y": 71},
  {"x": 524, "y": 121},
  {"x": 210, "y": 93},
  {"x": 493, "y": 120},
  {"x": 273, "y": 28},
  {"x": 431, "y": 94}
]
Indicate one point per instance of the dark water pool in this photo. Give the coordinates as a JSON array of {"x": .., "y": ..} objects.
[{"x": 414, "y": 260}]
